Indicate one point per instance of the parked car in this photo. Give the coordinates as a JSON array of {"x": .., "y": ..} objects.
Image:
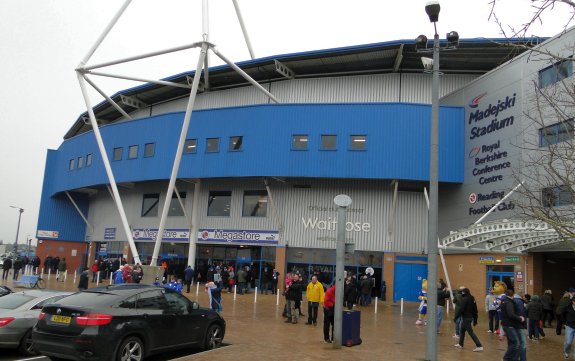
[
  {"x": 125, "y": 322},
  {"x": 19, "y": 313}
]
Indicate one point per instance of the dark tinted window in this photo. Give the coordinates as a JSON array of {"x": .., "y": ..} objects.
[
  {"x": 118, "y": 153},
  {"x": 255, "y": 204},
  {"x": 48, "y": 301},
  {"x": 190, "y": 146},
  {"x": 177, "y": 303},
  {"x": 149, "y": 149},
  {"x": 154, "y": 300},
  {"x": 11, "y": 302},
  {"x": 328, "y": 142},
  {"x": 128, "y": 303},
  {"x": 150, "y": 205},
  {"x": 219, "y": 203},
  {"x": 90, "y": 299},
  {"x": 236, "y": 143}
]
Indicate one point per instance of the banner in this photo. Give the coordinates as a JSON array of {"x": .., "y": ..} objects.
[
  {"x": 172, "y": 235},
  {"x": 238, "y": 236}
]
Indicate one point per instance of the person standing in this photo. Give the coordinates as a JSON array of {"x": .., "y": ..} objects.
[
  {"x": 521, "y": 310},
  {"x": 328, "y": 314},
  {"x": 6, "y": 266},
  {"x": 294, "y": 296},
  {"x": 569, "y": 320},
  {"x": 491, "y": 309},
  {"x": 511, "y": 323},
  {"x": 188, "y": 277},
  {"x": 275, "y": 279},
  {"x": 457, "y": 302},
  {"x": 17, "y": 267},
  {"x": 468, "y": 313},
  {"x": 548, "y": 303},
  {"x": 94, "y": 271},
  {"x": 534, "y": 314},
  {"x": 315, "y": 295},
  {"x": 366, "y": 285},
  {"x": 442, "y": 295},
  {"x": 242, "y": 280},
  {"x": 84, "y": 278},
  {"x": 349, "y": 293}
]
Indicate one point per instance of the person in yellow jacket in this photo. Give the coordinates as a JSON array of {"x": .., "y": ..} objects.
[{"x": 314, "y": 294}]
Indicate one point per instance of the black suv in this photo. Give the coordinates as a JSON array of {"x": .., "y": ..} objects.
[{"x": 124, "y": 322}]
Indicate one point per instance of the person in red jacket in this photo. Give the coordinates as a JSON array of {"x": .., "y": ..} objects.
[{"x": 328, "y": 314}]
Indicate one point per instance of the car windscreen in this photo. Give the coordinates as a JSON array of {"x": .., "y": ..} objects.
[
  {"x": 90, "y": 299},
  {"x": 12, "y": 301}
]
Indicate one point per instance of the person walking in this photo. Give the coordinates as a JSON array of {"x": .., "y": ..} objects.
[
  {"x": 349, "y": 293},
  {"x": 457, "y": 302},
  {"x": 275, "y": 279},
  {"x": 563, "y": 302},
  {"x": 61, "y": 269},
  {"x": 315, "y": 296},
  {"x": 442, "y": 295},
  {"x": 84, "y": 279},
  {"x": 511, "y": 323},
  {"x": 548, "y": 304},
  {"x": 534, "y": 314},
  {"x": 520, "y": 310},
  {"x": 242, "y": 280},
  {"x": 328, "y": 314},
  {"x": 568, "y": 315},
  {"x": 491, "y": 310},
  {"x": 468, "y": 313},
  {"x": 6, "y": 266},
  {"x": 188, "y": 277}
]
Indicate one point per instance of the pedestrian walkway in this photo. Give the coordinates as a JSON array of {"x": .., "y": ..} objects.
[{"x": 256, "y": 331}]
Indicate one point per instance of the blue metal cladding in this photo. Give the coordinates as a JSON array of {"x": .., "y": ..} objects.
[
  {"x": 57, "y": 213},
  {"x": 397, "y": 144}
]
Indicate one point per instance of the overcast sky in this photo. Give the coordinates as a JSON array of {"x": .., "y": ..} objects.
[{"x": 42, "y": 42}]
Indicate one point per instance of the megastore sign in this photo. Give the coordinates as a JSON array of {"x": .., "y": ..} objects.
[
  {"x": 238, "y": 236},
  {"x": 150, "y": 234}
]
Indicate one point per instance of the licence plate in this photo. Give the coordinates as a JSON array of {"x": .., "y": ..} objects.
[{"x": 61, "y": 319}]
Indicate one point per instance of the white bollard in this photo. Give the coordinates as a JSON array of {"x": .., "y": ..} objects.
[
  {"x": 235, "y": 291},
  {"x": 66, "y": 276},
  {"x": 75, "y": 277},
  {"x": 42, "y": 271},
  {"x": 111, "y": 280},
  {"x": 256, "y": 296},
  {"x": 57, "y": 275},
  {"x": 447, "y": 307},
  {"x": 401, "y": 308},
  {"x": 278, "y": 297},
  {"x": 98, "y": 278},
  {"x": 376, "y": 305},
  {"x": 49, "y": 273},
  {"x": 197, "y": 289}
]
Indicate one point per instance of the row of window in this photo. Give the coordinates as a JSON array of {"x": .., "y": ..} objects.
[
  {"x": 557, "y": 196},
  {"x": 77, "y": 163},
  {"x": 555, "y": 73},
  {"x": 133, "y": 151},
  {"x": 555, "y": 133},
  {"x": 219, "y": 204}
]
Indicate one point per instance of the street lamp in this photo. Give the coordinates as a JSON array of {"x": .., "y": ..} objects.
[
  {"x": 17, "y": 229},
  {"x": 432, "y": 9}
]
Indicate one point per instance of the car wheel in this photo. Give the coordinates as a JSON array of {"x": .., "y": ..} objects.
[
  {"x": 214, "y": 337},
  {"x": 26, "y": 345},
  {"x": 131, "y": 349}
]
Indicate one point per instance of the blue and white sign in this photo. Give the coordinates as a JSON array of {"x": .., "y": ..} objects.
[
  {"x": 109, "y": 233},
  {"x": 238, "y": 236},
  {"x": 172, "y": 235}
]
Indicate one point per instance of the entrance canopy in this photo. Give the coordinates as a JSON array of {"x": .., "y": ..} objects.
[{"x": 505, "y": 236}]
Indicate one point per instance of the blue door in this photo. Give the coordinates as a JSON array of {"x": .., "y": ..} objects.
[{"x": 407, "y": 281}]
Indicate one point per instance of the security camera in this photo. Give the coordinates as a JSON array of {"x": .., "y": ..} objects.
[{"x": 427, "y": 63}]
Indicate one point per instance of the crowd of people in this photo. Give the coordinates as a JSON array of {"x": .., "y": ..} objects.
[{"x": 17, "y": 265}]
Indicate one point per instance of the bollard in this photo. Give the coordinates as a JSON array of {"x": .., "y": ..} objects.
[
  {"x": 197, "y": 289},
  {"x": 42, "y": 271},
  {"x": 401, "y": 308},
  {"x": 256, "y": 296},
  {"x": 75, "y": 277},
  {"x": 376, "y": 305},
  {"x": 278, "y": 297},
  {"x": 111, "y": 280},
  {"x": 447, "y": 306},
  {"x": 57, "y": 275},
  {"x": 66, "y": 276},
  {"x": 49, "y": 273},
  {"x": 235, "y": 291},
  {"x": 98, "y": 278}
]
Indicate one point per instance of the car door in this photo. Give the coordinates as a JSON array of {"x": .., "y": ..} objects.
[
  {"x": 151, "y": 307},
  {"x": 185, "y": 324}
]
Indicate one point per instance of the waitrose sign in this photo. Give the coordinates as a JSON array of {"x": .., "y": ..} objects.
[{"x": 330, "y": 224}]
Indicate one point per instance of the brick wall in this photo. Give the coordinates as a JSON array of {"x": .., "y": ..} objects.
[{"x": 63, "y": 249}]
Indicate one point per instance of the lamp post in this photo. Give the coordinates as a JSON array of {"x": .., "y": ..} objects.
[
  {"x": 342, "y": 201},
  {"x": 21, "y": 210},
  {"x": 432, "y": 9}
]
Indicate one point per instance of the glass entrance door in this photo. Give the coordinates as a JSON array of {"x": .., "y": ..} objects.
[{"x": 503, "y": 274}]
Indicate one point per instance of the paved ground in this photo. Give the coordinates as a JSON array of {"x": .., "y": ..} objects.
[{"x": 256, "y": 331}]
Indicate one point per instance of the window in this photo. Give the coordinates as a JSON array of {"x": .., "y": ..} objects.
[
  {"x": 299, "y": 142},
  {"x": 556, "y": 133},
  {"x": 152, "y": 300},
  {"x": 132, "y": 152},
  {"x": 80, "y": 162},
  {"x": 88, "y": 160},
  {"x": 255, "y": 204},
  {"x": 149, "y": 150},
  {"x": 118, "y": 153},
  {"x": 72, "y": 164},
  {"x": 555, "y": 73},
  {"x": 236, "y": 143},
  {"x": 556, "y": 196},
  {"x": 328, "y": 142},
  {"x": 219, "y": 203},
  {"x": 358, "y": 142},
  {"x": 150, "y": 205},
  {"x": 175, "y": 208},
  {"x": 177, "y": 304},
  {"x": 190, "y": 146},
  {"x": 213, "y": 145}
]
